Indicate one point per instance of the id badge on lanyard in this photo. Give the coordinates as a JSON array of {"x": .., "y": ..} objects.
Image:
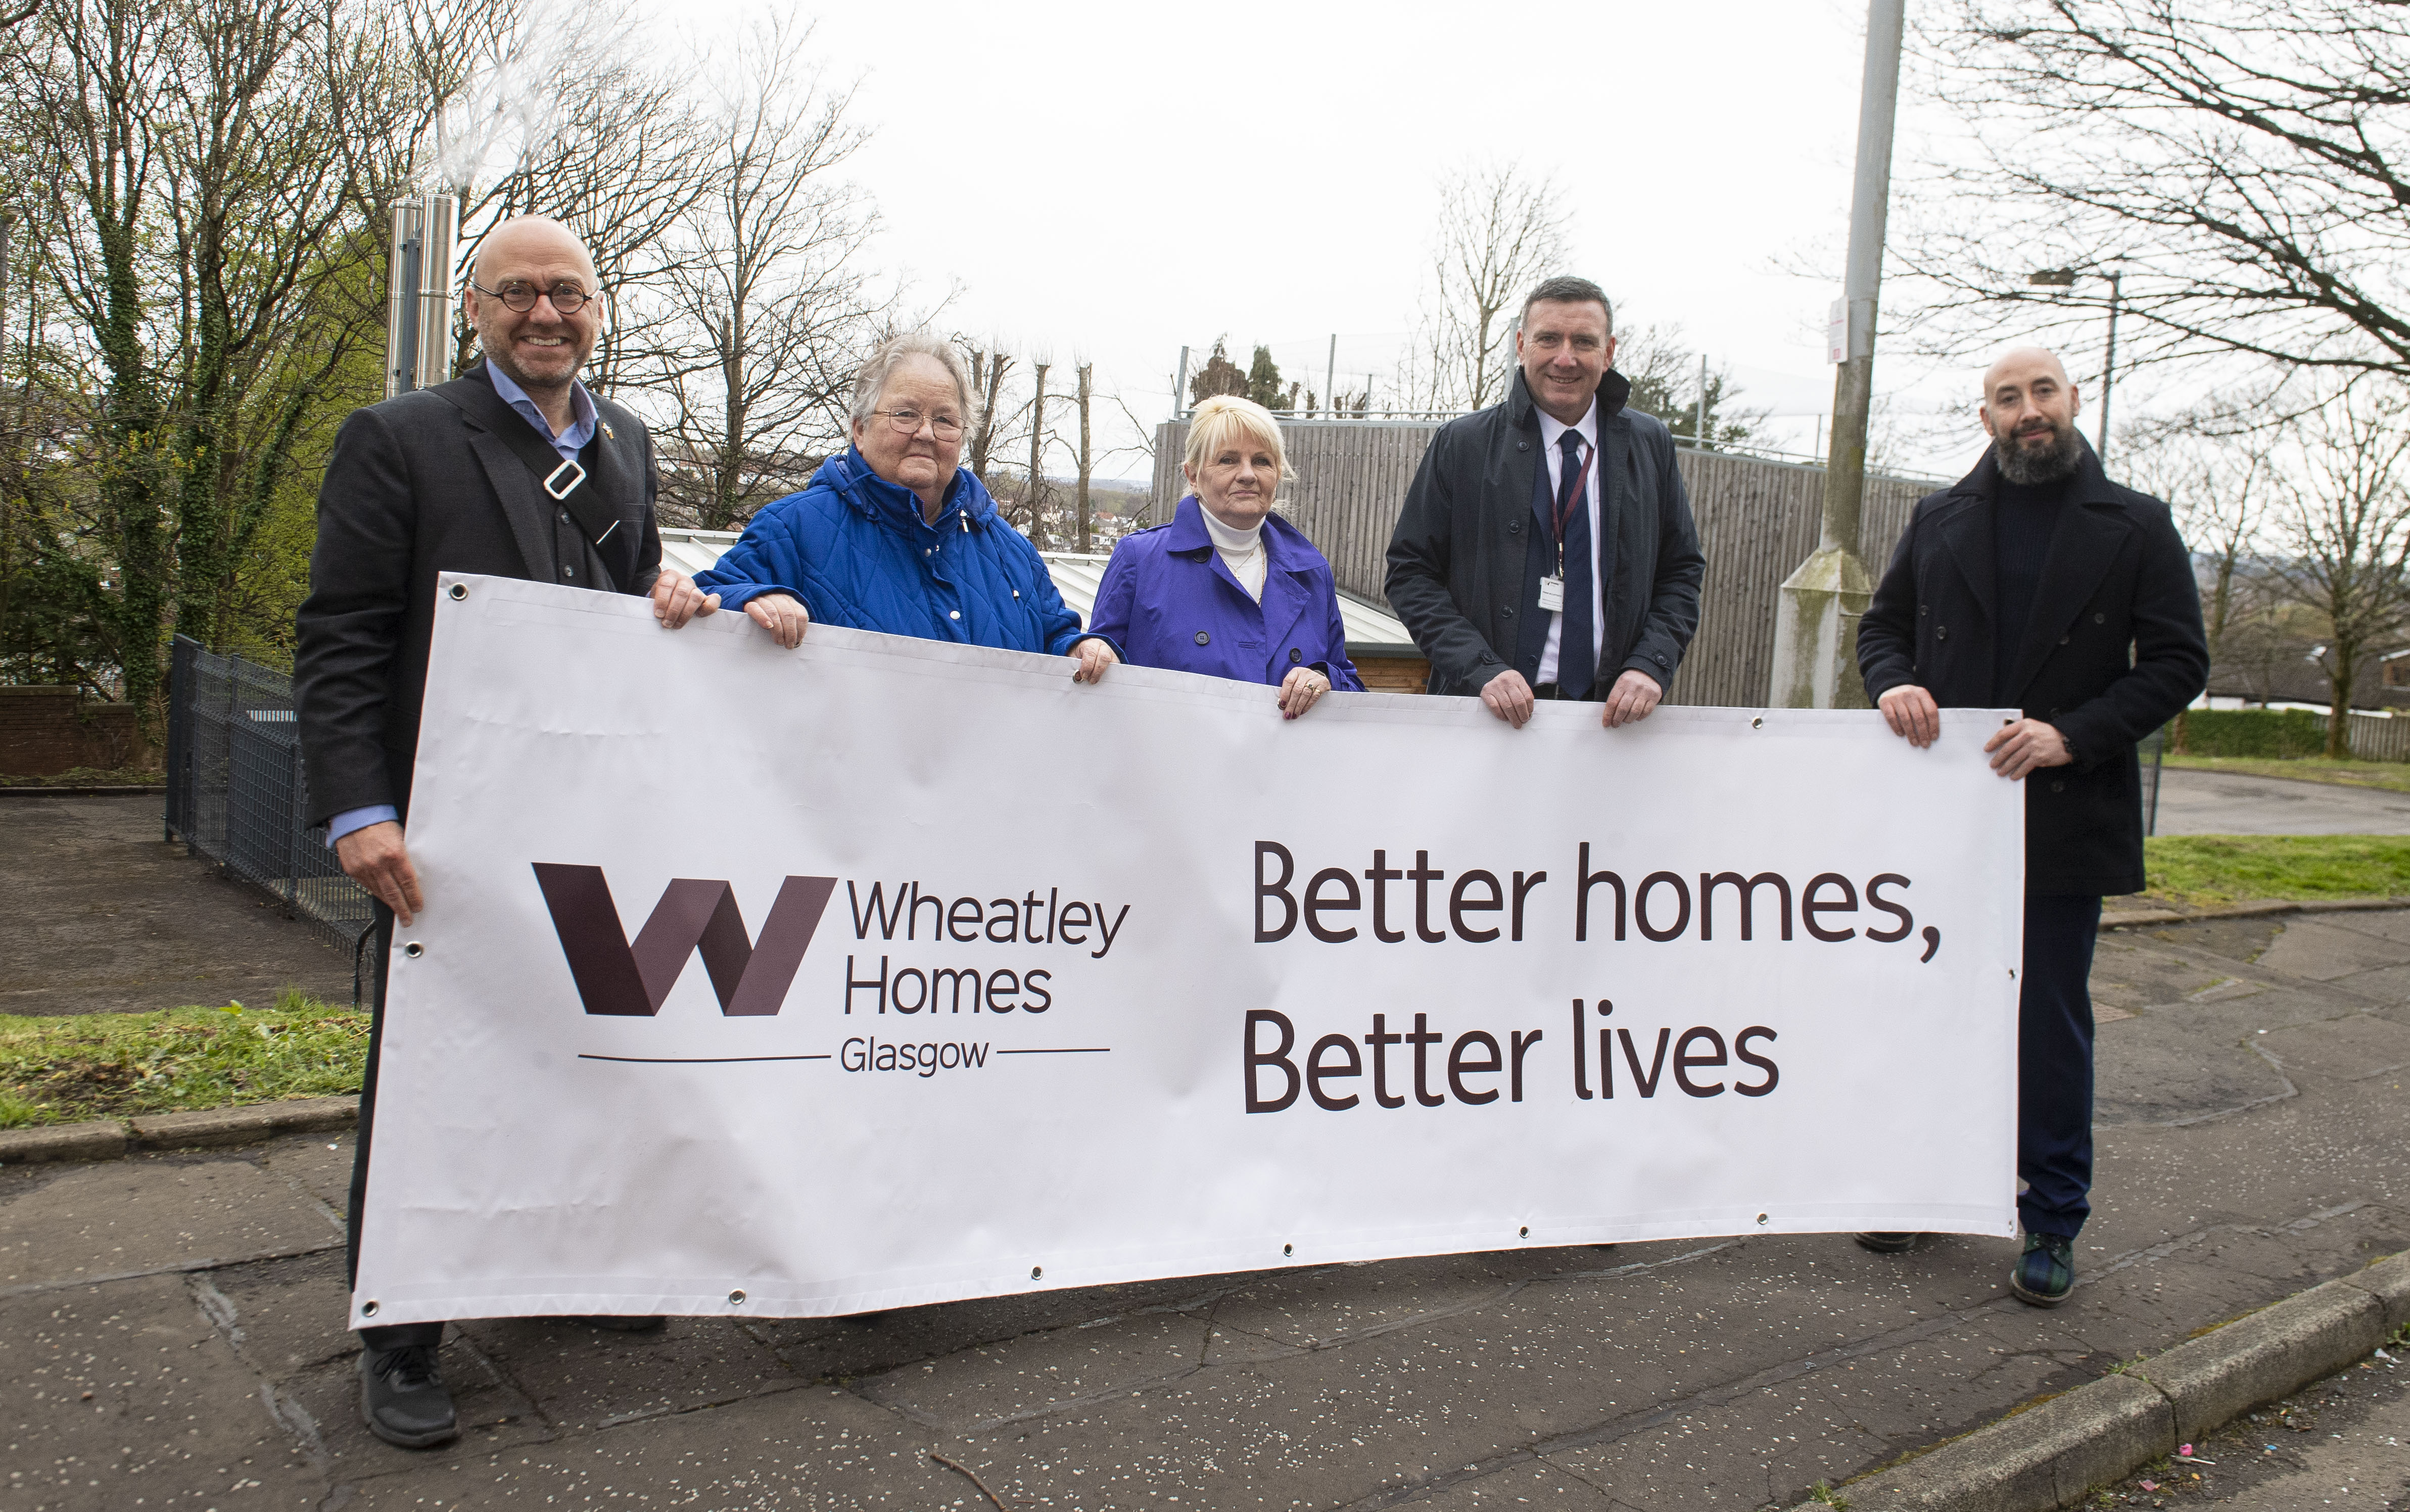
[{"x": 1552, "y": 588}]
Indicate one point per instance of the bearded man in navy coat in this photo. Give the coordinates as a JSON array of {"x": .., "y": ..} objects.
[{"x": 2037, "y": 584}]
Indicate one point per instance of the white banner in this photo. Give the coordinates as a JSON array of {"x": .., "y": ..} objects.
[{"x": 886, "y": 973}]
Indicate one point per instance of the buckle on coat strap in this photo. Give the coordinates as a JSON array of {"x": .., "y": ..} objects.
[{"x": 565, "y": 489}]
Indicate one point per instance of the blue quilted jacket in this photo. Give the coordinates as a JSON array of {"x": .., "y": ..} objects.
[{"x": 853, "y": 547}]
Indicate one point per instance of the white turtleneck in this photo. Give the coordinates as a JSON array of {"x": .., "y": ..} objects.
[{"x": 1241, "y": 551}]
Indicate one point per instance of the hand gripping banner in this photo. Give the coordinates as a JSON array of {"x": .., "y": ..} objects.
[{"x": 1058, "y": 985}]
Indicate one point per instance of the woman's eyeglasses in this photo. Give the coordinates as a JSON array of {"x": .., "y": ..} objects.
[{"x": 908, "y": 423}]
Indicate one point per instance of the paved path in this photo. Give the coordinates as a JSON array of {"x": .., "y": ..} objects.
[
  {"x": 2228, "y": 803},
  {"x": 172, "y": 1323},
  {"x": 127, "y": 922},
  {"x": 2363, "y": 1464},
  {"x": 2339, "y": 1442}
]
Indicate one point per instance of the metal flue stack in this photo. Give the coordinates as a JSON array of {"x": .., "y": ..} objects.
[{"x": 418, "y": 297}]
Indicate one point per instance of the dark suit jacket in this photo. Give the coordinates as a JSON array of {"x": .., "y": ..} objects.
[
  {"x": 2113, "y": 649},
  {"x": 1470, "y": 547},
  {"x": 419, "y": 485}
]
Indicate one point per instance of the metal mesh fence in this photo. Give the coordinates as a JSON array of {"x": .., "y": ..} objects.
[{"x": 236, "y": 794}]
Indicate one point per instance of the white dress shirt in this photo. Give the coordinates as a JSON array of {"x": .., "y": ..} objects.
[{"x": 1551, "y": 430}]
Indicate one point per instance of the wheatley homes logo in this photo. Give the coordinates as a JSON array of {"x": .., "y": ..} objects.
[{"x": 615, "y": 976}]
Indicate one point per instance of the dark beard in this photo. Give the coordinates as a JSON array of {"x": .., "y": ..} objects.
[{"x": 2027, "y": 466}]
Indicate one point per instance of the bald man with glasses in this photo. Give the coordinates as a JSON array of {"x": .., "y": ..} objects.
[{"x": 513, "y": 470}]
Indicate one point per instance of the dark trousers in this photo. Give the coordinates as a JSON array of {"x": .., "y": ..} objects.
[
  {"x": 2054, "y": 1064},
  {"x": 397, "y": 1335}
]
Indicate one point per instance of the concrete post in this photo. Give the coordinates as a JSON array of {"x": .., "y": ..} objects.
[{"x": 1816, "y": 625}]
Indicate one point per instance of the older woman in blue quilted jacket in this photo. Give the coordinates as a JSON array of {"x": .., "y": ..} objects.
[{"x": 895, "y": 536}]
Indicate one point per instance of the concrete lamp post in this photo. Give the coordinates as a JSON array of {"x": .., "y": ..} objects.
[{"x": 1815, "y": 622}]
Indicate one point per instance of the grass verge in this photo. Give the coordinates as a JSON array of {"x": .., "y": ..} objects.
[
  {"x": 2197, "y": 869},
  {"x": 58, "y": 1070},
  {"x": 91, "y": 776},
  {"x": 2392, "y": 776}
]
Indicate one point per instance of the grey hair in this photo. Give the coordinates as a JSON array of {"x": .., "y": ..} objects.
[
  {"x": 1566, "y": 290},
  {"x": 870, "y": 379}
]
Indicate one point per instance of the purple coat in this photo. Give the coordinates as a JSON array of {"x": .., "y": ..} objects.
[{"x": 1166, "y": 601}]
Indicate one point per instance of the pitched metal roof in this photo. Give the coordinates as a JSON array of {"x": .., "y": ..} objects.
[{"x": 1371, "y": 631}]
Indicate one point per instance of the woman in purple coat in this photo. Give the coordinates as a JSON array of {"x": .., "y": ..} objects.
[{"x": 1228, "y": 588}]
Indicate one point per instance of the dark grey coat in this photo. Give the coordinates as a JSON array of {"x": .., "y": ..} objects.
[
  {"x": 1469, "y": 550},
  {"x": 417, "y": 485},
  {"x": 2112, "y": 650}
]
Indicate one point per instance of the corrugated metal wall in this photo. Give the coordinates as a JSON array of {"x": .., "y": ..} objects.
[{"x": 1758, "y": 520}]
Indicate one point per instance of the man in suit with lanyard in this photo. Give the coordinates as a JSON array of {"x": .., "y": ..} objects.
[
  {"x": 515, "y": 469},
  {"x": 1545, "y": 549}
]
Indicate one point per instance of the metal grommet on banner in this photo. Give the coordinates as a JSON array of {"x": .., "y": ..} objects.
[
  {"x": 1287, "y": 1250},
  {"x": 736, "y": 1299},
  {"x": 1524, "y": 1232},
  {"x": 1758, "y": 723},
  {"x": 1036, "y": 1273},
  {"x": 368, "y": 1308},
  {"x": 458, "y": 590},
  {"x": 1761, "y": 1220},
  {"x": 414, "y": 950}
]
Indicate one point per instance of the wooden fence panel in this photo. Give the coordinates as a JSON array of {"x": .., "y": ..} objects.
[{"x": 1758, "y": 521}]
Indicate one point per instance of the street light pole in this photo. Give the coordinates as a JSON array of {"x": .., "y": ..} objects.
[
  {"x": 1816, "y": 625},
  {"x": 2109, "y": 364},
  {"x": 2064, "y": 278}
]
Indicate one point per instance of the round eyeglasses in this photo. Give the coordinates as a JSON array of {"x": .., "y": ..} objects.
[{"x": 519, "y": 298}]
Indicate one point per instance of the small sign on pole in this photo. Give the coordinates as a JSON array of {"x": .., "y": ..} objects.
[{"x": 1837, "y": 332}]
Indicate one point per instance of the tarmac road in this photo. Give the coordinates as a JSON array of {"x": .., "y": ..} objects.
[{"x": 2226, "y": 803}]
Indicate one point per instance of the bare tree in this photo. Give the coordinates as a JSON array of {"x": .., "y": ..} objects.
[
  {"x": 766, "y": 303},
  {"x": 2216, "y": 467},
  {"x": 2245, "y": 162},
  {"x": 1665, "y": 374},
  {"x": 2342, "y": 528},
  {"x": 1498, "y": 233},
  {"x": 1087, "y": 457},
  {"x": 540, "y": 110},
  {"x": 1035, "y": 499},
  {"x": 989, "y": 365},
  {"x": 2216, "y": 470}
]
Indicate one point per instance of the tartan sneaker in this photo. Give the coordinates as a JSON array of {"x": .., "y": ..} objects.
[{"x": 2045, "y": 1273}]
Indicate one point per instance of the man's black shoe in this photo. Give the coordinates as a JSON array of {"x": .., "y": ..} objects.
[
  {"x": 1886, "y": 1243},
  {"x": 2045, "y": 1273},
  {"x": 618, "y": 1323},
  {"x": 404, "y": 1399}
]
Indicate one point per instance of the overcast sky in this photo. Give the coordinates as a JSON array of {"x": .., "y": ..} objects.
[{"x": 1116, "y": 180}]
